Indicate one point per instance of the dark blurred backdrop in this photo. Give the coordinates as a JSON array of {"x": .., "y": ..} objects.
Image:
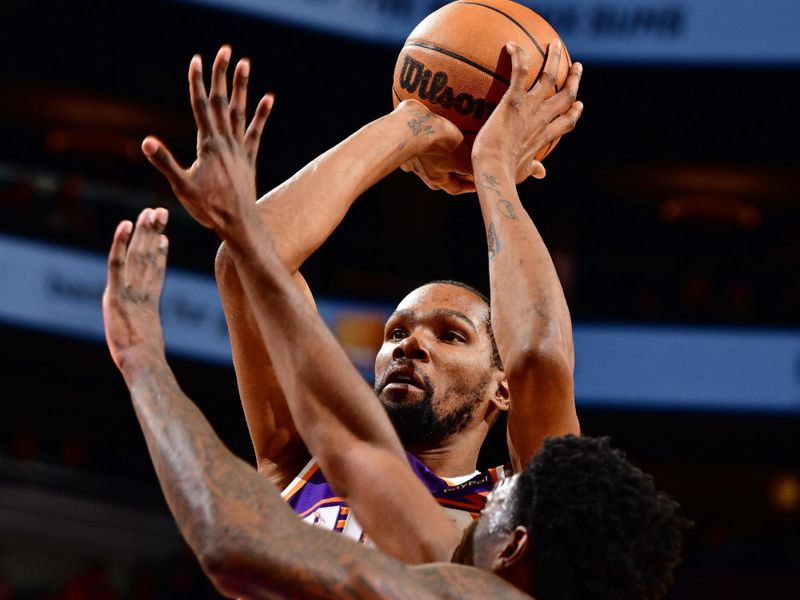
[{"x": 675, "y": 203}]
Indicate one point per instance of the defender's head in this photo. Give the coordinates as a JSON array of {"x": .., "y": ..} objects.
[
  {"x": 580, "y": 522},
  {"x": 438, "y": 372}
]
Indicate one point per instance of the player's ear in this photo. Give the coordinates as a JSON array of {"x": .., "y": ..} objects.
[
  {"x": 513, "y": 551},
  {"x": 502, "y": 395}
]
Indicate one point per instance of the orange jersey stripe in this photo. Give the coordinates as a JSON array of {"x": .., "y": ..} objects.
[
  {"x": 304, "y": 477},
  {"x": 320, "y": 503}
]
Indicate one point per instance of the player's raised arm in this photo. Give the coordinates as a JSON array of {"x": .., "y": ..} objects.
[
  {"x": 246, "y": 538},
  {"x": 530, "y": 317},
  {"x": 338, "y": 415}
]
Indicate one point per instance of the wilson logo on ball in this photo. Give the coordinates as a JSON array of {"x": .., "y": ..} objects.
[{"x": 432, "y": 87}]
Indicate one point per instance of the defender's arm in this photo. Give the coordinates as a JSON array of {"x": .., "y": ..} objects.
[
  {"x": 338, "y": 415},
  {"x": 305, "y": 210}
]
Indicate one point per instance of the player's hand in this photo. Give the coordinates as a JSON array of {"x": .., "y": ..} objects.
[
  {"x": 222, "y": 176},
  {"x": 526, "y": 121},
  {"x": 437, "y": 165},
  {"x": 136, "y": 265}
]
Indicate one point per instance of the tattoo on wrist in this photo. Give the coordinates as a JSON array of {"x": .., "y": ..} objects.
[
  {"x": 505, "y": 207},
  {"x": 493, "y": 241},
  {"x": 421, "y": 124},
  {"x": 490, "y": 181}
]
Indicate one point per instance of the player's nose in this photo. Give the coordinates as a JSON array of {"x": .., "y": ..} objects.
[{"x": 412, "y": 348}]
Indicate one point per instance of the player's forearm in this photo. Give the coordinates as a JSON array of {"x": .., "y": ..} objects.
[
  {"x": 530, "y": 318},
  {"x": 308, "y": 207},
  {"x": 529, "y": 311},
  {"x": 245, "y": 536},
  {"x": 217, "y": 500}
]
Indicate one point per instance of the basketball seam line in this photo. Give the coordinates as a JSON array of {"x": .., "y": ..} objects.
[
  {"x": 460, "y": 58},
  {"x": 513, "y": 20}
]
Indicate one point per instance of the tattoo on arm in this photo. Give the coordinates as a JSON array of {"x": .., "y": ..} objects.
[
  {"x": 493, "y": 241},
  {"x": 504, "y": 207},
  {"x": 507, "y": 209},
  {"x": 420, "y": 124}
]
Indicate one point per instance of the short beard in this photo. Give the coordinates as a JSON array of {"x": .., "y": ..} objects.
[{"x": 419, "y": 426}]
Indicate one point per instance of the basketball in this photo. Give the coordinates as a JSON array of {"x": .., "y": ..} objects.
[{"x": 454, "y": 61}]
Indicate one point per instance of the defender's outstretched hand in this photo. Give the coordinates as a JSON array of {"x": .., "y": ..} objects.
[
  {"x": 136, "y": 265},
  {"x": 526, "y": 121},
  {"x": 226, "y": 152}
]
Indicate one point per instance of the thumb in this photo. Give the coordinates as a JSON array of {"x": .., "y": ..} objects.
[{"x": 537, "y": 170}]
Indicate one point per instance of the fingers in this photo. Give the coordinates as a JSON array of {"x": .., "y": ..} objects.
[
  {"x": 146, "y": 258},
  {"x": 161, "y": 158},
  {"x": 238, "y": 107},
  {"x": 198, "y": 97},
  {"x": 154, "y": 276},
  {"x": 457, "y": 185},
  {"x": 537, "y": 170},
  {"x": 218, "y": 99},
  {"x": 548, "y": 80},
  {"x": 116, "y": 257},
  {"x": 565, "y": 98},
  {"x": 253, "y": 135},
  {"x": 520, "y": 66},
  {"x": 564, "y": 123},
  {"x": 573, "y": 81}
]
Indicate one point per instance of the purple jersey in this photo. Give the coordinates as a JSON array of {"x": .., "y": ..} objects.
[{"x": 462, "y": 498}]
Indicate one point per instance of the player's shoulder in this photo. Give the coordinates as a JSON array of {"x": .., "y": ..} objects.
[{"x": 449, "y": 580}]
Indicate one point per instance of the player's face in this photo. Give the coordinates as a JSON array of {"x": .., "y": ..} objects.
[
  {"x": 495, "y": 524},
  {"x": 434, "y": 371}
]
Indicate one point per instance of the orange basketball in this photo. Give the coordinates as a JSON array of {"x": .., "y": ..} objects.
[{"x": 454, "y": 61}]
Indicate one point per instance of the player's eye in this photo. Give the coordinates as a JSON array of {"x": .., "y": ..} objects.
[
  {"x": 453, "y": 336},
  {"x": 397, "y": 334}
]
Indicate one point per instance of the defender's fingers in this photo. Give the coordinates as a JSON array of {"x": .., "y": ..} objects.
[
  {"x": 199, "y": 97},
  {"x": 161, "y": 263},
  {"x": 155, "y": 258},
  {"x": 137, "y": 247},
  {"x": 548, "y": 79},
  {"x": 520, "y": 66},
  {"x": 238, "y": 107},
  {"x": 161, "y": 158},
  {"x": 253, "y": 135},
  {"x": 218, "y": 99},
  {"x": 116, "y": 256}
]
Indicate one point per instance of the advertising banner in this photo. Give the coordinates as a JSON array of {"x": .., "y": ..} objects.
[{"x": 57, "y": 289}]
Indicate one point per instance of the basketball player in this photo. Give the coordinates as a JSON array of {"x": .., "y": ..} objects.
[
  {"x": 578, "y": 522},
  {"x": 438, "y": 373}
]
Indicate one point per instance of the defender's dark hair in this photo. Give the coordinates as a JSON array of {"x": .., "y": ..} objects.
[
  {"x": 599, "y": 528},
  {"x": 496, "y": 361}
]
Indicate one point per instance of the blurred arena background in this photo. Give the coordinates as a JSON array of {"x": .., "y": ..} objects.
[{"x": 672, "y": 214}]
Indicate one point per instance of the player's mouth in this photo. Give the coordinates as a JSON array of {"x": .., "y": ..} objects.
[{"x": 403, "y": 379}]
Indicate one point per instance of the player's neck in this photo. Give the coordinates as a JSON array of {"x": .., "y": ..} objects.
[{"x": 456, "y": 456}]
